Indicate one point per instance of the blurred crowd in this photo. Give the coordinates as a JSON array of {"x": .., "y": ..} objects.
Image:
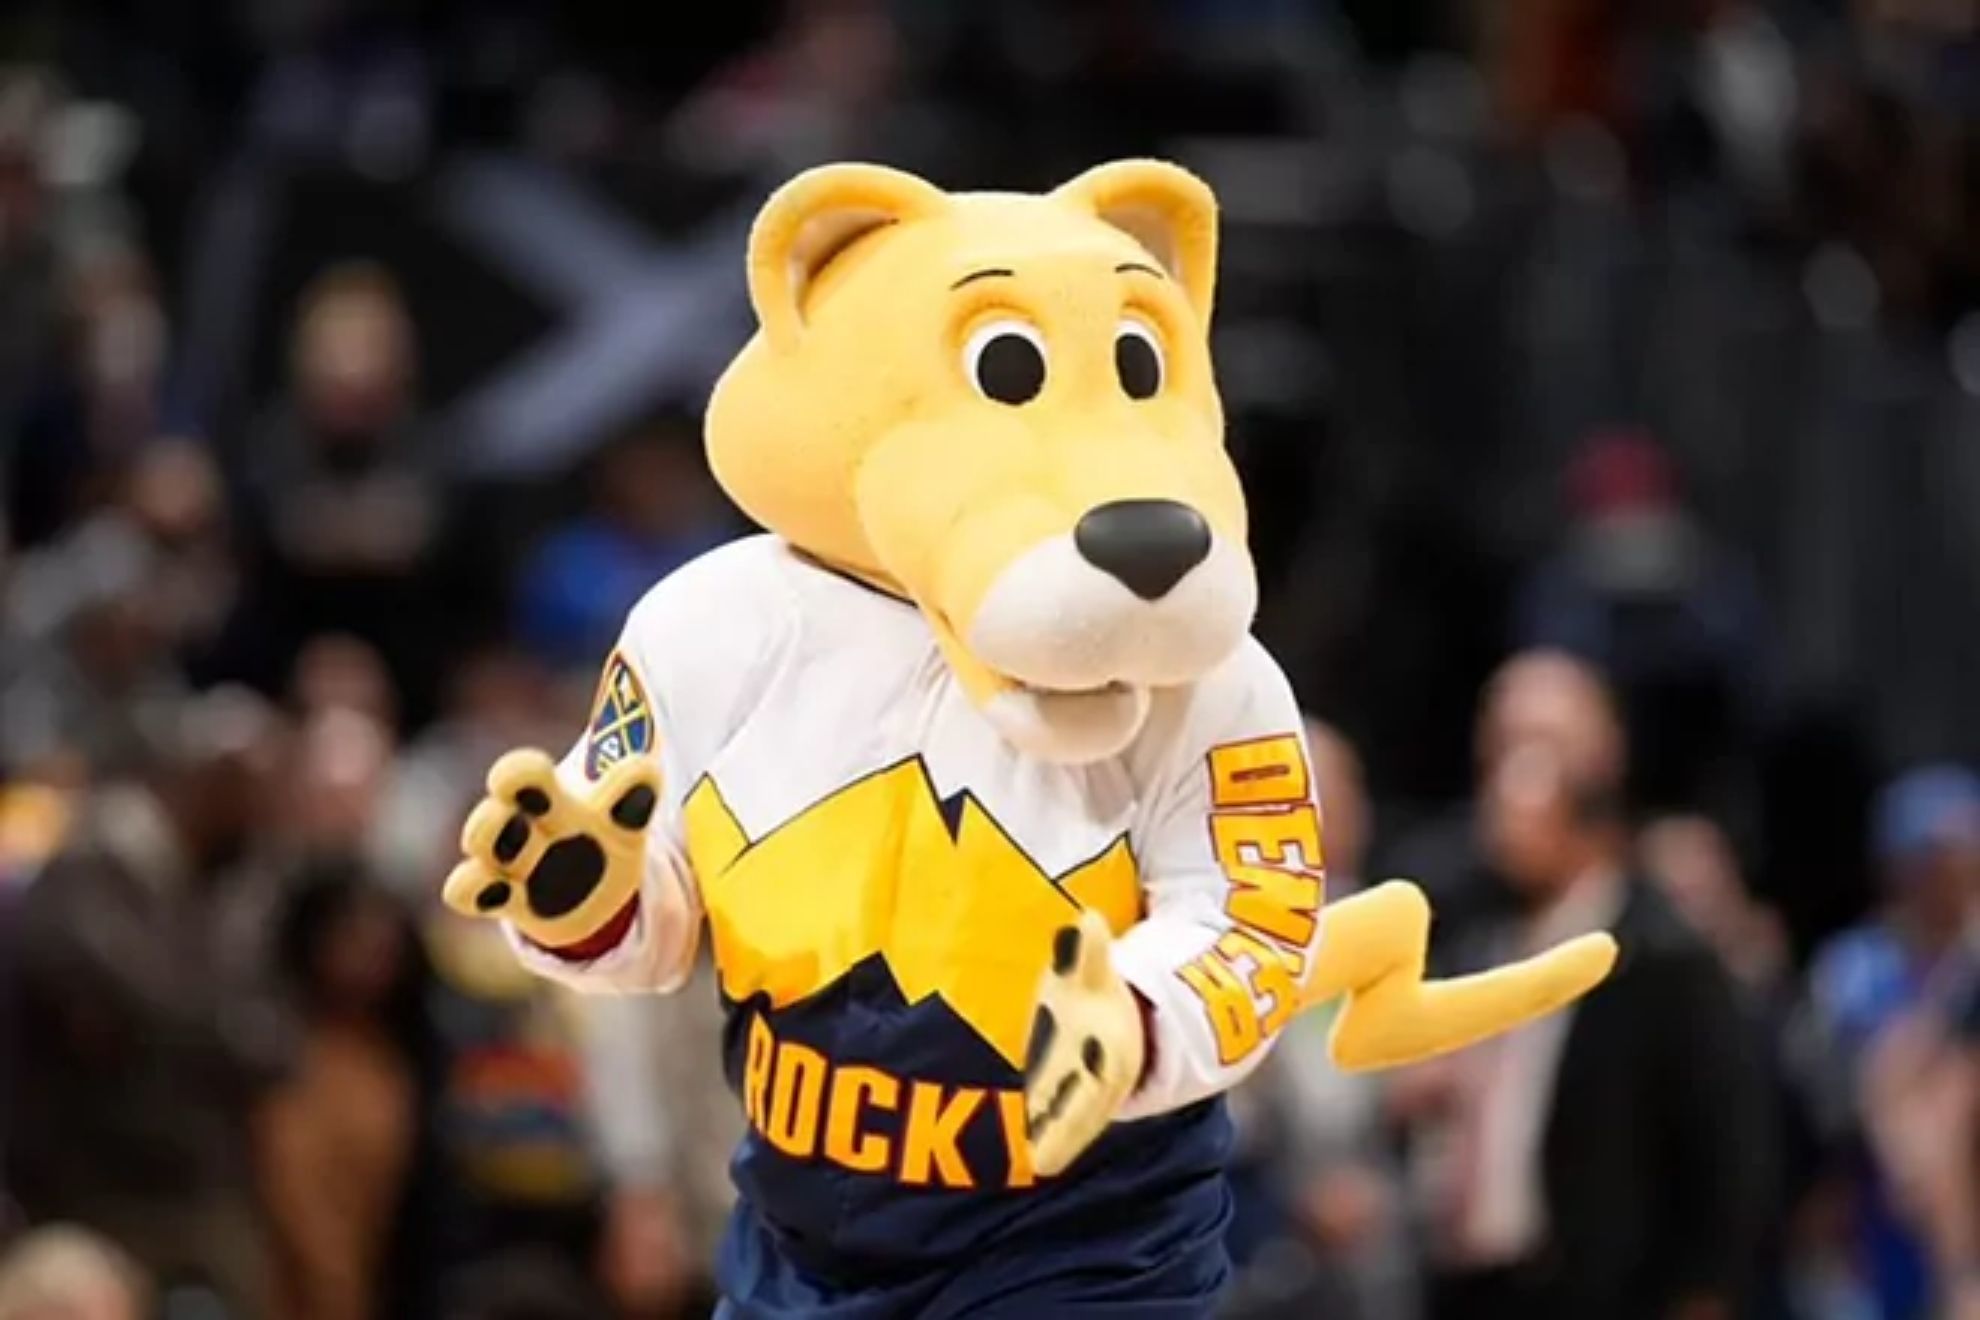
[{"x": 1597, "y": 369}]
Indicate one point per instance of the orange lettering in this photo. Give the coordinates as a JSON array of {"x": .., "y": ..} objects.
[
  {"x": 1010, "y": 1108},
  {"x": 1273, "y": 972},
  {"x": 805, "y": 1105},
  {"x": 934, "y": 1125},
  {"x": 795, "y": 1091},
  {"x": 1227, "y": 1003},
  {"x": 1264, "y": 772},
  {"x": 852, "y": 1087},
  {"x": 1276, "y": 894},
  {"x": 756, "y": 1071}
]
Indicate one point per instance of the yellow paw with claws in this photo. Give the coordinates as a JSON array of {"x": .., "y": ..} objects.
[
  {"x": 1086, "y": 1049},
  {"x": 557, "y": 865}
]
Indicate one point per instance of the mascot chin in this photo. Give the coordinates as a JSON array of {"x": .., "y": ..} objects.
[{"x": 997, "y": 820}]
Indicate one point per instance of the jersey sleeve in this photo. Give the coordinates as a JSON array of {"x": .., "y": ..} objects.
[
  {"x": 671, "y": 689},
  {"x": 1231, "y": 871}
]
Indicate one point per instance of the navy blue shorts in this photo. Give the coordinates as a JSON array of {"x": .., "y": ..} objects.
[{"x": 1164, "y": 1269}]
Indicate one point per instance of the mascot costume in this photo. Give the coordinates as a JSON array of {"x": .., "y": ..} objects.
[{"x": 999, "y": 822}]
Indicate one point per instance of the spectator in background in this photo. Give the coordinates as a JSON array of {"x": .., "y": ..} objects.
[
  {"x": 667, "y": 1125},
  {"x": 35, "y": 817},
  {"x": 344, "y": 758},
  {"x": 66, "y": 1273},
  {"x": 97, "y": 402},
  {"x": 89, "y": 671},
  {"x": 82, "y": 332},
  {"x": 175, "y": 497},
  {"x": 1320, "y": 1225},
  {"x": 1921, "y": 1100},
  {"x": 29, "y": 283},
  {"x": 142, "y": 1028},
  {"x": 1643, "y": 593},
  {"x": 521, "y": 1165},
  {"x": 337, "y": 672},
  {"x": 819, "y": 88},
  {"x": 478, "y": 1055},
  {"x": 651, "y": 508},
  {"x": 1927, "y": 843},
  {"x": 345, "y": 1144},
  {"x": 99, "y": 629},
  {"x": 1544, "y": 696},
  {"x": 106, "y": 620},
  {"x": 1612, "y": 1159},
  {"x": 349, "y": 514},
  {"x": 1560, "y": 61},
  {"x": 495, "y": 699},
  {"x": 350, "y": 762},
  {"x": 1693, "y": 863}
]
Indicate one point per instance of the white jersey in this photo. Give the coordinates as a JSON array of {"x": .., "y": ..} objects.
[{"x": 881, "y": 874}]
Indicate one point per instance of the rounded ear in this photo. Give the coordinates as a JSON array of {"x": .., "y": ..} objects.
[
  {"x": 1163, "y": 207},
  {"x": 812, "y": 219}
]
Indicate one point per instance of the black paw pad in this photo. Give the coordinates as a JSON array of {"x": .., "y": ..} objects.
[
  {"x": 495, "y": 896},
  {"x": 533, "y": 801},
  {"x": 570, "y": 869},
  {"x": 1094, "y": 1055},
  {"x": 1065, "y": 950},
  {"x": 1044, "y": 1029},
  {"x": 509, "y": 843},
  {"x": 632, "y": 811}
]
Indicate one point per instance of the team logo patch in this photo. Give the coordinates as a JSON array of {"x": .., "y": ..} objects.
[{"x": 621, "y": 722}]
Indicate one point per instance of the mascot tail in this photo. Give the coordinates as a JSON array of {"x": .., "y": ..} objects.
[{"x": 1372, "y": 950}]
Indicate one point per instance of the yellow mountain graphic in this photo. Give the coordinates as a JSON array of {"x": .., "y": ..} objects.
[{"x": 876, "y": 867}]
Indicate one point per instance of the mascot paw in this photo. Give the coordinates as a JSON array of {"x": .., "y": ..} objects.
[
  {"x": 557, "y": 865},
  {"x": 1086, "y": 1050}
]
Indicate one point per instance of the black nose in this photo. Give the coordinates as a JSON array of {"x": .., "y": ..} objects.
[{"x": 1147, "y": 544}]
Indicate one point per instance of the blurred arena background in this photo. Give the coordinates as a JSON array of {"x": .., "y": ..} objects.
[{"x": 351, "y": 353}]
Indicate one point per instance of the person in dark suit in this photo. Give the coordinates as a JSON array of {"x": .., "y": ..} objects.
[{"x": 1612, "y": 1160}]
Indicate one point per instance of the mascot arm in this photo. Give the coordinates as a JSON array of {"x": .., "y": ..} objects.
[
  {"x": 1187, "y": 1001},
  {"x": 1231, "y": 868},
  {"x": 584, "y": 861},
  {"x": 576, "y": 859},
  {"x": 649, "y": 943}
]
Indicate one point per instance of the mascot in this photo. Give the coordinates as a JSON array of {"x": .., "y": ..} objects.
[{"x": 998, "y": 822}]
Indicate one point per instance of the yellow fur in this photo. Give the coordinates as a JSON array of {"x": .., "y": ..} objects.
[
  {"x": 1372, "y": 950},
  {"x": 850, "y": 426}
]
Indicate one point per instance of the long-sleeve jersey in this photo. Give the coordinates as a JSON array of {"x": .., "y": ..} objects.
[{"x": 881, "y": 875}]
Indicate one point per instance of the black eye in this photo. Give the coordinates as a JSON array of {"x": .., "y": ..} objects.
[
  {"x": 1006, "y": 362},
  {"x": 1138, "y": 360}
]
